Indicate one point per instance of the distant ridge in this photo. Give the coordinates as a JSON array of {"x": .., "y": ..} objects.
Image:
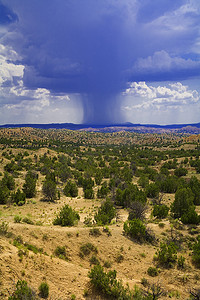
[{"x": 110, "y": 127}]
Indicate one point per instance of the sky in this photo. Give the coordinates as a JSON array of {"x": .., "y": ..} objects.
[{"x": 100, "y": 61}]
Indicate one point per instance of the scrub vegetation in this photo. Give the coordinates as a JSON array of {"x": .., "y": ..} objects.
[{"x": 87, "y": 219}]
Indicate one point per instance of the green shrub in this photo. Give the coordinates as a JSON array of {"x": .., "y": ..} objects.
[
  {"x": 144, "y": 282},
  {"x": 194, "y": 184},
  {"x": 152, "y": 190},
  {"x": 160, "y": 211},
  {"x": 29, "y": 187},
  {"x": 107, "y": 230},
  {"x": 129, "y": 195},
  {"x": 94, "y": 260},
  {"x": 66, "y": 217},
  {"x": 27, "y": 220},
  {"x": 4, "y": 194},
  {"x": 190, "y": 217},
  {"x": 167, "y": 255},
  {"x": 44, "y": 290},
  {"x": 88, "y": 221},
  {"x": 107, "y": 264},
  {"x": 60, "y": 252},
  {"x": 152, "y": 271},
  {"x": 23, "y": 292},
  {"x": 103, "y": 191},
  {"x": 88, "y": 193},
  {"x": 49, "y": 190},
  {"x": 181, "y": 262},
  {"x": 119, "y": 258},
  {"x": 87, "y": 248},
  {"x": 70, "y": 189},
  {"x": 108, "y": 285},
  {"x": 19, "y": 197},
  {"x": 196, "y": 253},
  {"x": 33, "y": 248},
  {"x": 143, "y": 181},
  {"x": 8, "y": 181},
  {"x": 3, "y": 228},
  {"x": 135, "y": 229},
  {"x": 17, "y": 219},
  {"x": 95, "y": 231},
  {"x": 106, "y": 213},
  {"x": 180, "y": 172},
  {"x": 183, "y": 201}
]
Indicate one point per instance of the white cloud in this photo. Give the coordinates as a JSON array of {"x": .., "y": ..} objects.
[
  {"x": 8, "y": 69},
  {"x": 175, "y": 95},
  {"x": 161, "y": 61}
]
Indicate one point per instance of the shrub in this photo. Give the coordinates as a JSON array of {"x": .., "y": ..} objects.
[
  {"x": 168, "y": 184},
  {"x": 183, "y": 201},
  {"x": 3, "y": 228},
  {"x": 49, "y": 190},
  {"x": 105, "y": 213},
  {"x": 119, "y": 258},
  {"x": 95, "y": 231},
  {"x": 8, "y": 181},
  {"x": 135, "y": 229},
  {"x": 152, "y": 271},
  {"x": 60, "y": 252},
  {"x": 107, "y": 230},
  {"x": 144, "y": 282},
  {"x": 103, "y": 191},
  {"x": 129, "y": 195},
  {"x": 29, "y": 187},
  {"x": 160, "y": 211},
  {"x": 194, "y": 184},
  {"x": 27, "y": 220},
  {"x": 33, "y": 248},
  {"x": 196, "y": 253},
  {"x": 66, "y": 217},
  {"x": 107, "y": 264},
  {"x": 167, "y": 254},
  {"x": 181, "y": 262},
  {"x": 70, "y": 189},
  {"x": 4, "y": 194},
  {"x": 19, "y": 197},
  {"x": 152, "y": 190},
  {"x": 23, "y": 292},
  {"x": 143, "y": 181},
  {"x": 89, "y": 193},
  {"x": 17, "y": 219},
  {"x": 94, "y": 260},
  {"x": 180, "y": 172},
  {"x": 137, "y": 210},
  {"x": 108, "y": 285},
  {"x": 190, "y": 217},
  {"x": 88, "y": 221},
  {"x": 87, "y": 248},
  {"x": 44, "y": 290}
]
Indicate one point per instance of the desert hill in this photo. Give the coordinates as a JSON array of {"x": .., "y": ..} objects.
[{"x": 29, "y": 242}]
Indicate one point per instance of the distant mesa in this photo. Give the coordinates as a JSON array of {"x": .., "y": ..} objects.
[{"x": 185, "y": 128}]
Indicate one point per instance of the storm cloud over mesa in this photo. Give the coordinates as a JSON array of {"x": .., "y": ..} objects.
[{"x": 93, "y": 48}]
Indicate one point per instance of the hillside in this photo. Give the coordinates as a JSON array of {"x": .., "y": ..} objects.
[{"x": 110, "y": 167}]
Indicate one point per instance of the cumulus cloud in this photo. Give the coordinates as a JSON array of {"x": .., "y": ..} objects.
[
  {"x": 18, "y": 101},
  {"x": 162, "y": 65},
  {"x": 8, "y": 69},
  {"x": 175, "y": 95}
]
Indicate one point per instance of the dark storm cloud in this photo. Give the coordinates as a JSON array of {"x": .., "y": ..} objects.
[
  {"x": 93, "y": 47},
  {"x": 7, "y": 16}
]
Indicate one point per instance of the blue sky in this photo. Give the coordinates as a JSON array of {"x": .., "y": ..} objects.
[{"x": 100, "y": 61}]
